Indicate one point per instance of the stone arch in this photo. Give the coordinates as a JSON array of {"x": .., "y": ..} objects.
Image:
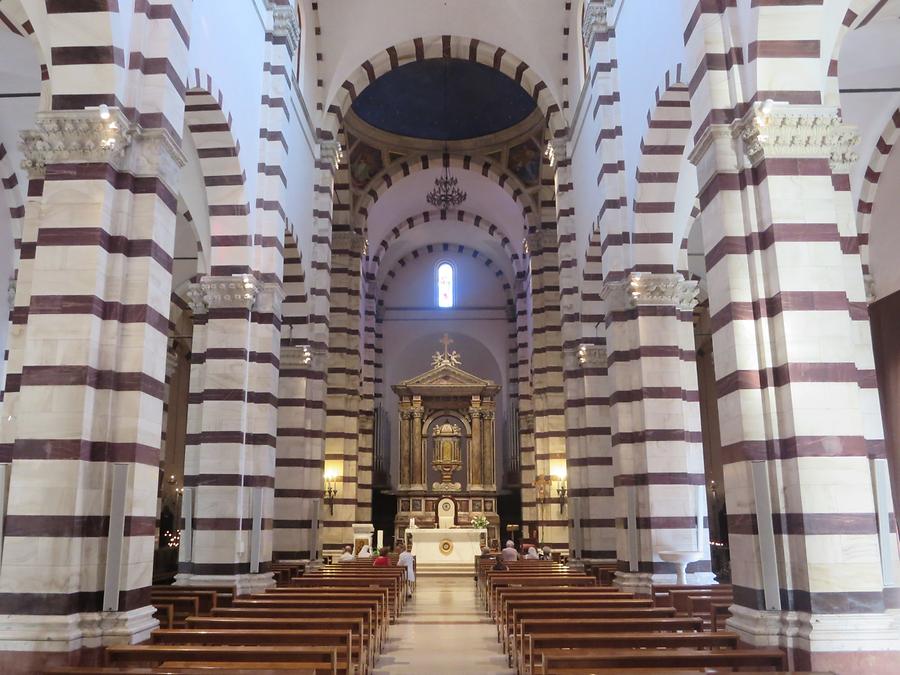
[
  {"x": 458, "y": 215},
  {"x": 880, "y": 154},
  {"x": 859, "y": 14},
  {"x": 444, "y": 46},
  {"x": 492, "y": 170},
  {"x": 209, "y": 123},
  {"x": 15, "y": 18},
  {"x": 658, "y": 173},
  {"x": 438, "y": 250}
]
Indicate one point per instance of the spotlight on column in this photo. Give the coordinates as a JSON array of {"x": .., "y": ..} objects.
[
  {"x": 562, "y": 488},
  {"x": 331, "y": 489}
]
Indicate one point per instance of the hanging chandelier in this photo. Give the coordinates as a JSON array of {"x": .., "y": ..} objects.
[{"x": 446, "y": 192}]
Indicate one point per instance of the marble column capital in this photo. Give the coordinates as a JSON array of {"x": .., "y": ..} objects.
[
  {"x": 239, "y": 291},
  {"x": 296, "y": 356},
  {"x": 650, "y": 289},
  {"x": 11, "y": 293},
  {"x": 592, "y": 356},
  {"x": 331, "y": 153},
  {"x": 541, "y": 241},
  {"x": 782, "y": 130},
  {"x": 285, "y": 23},
  {"x": 596, "y": 14},
  {"x": 82, "y": 136}
]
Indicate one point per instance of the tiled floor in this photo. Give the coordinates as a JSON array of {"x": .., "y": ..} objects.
[{"x": 443, "y": 631}]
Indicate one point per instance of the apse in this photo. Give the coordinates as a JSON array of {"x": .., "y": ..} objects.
[{"x": 444, "y": 100}]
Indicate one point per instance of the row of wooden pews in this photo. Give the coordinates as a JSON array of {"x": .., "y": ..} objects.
[
  {"x": 553, "y": 620},
  {"x": 333, "y": 620}
]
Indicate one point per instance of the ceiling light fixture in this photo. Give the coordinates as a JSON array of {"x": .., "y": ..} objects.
[{"x": 446, "y": 192}]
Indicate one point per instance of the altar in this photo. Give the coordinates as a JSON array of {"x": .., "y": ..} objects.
[{"x": 450, "y": 546}]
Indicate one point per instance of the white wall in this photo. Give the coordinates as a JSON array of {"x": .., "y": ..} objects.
[
  {"x": 237, "y": 72},
  {"x": 649, "y": 42}
]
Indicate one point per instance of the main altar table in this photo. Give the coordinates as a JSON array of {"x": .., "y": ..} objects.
[{"x": 430, "y": 546}]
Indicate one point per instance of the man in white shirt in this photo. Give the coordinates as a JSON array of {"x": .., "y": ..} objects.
[
  {"x": 347, "y": 555},
  {"x": 406, "y": 559}
]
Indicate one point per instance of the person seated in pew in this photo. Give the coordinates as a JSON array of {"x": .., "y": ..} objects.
[
  {"x": 485, "y": 552},
  {"x": 547, "y": 552},
  {"x": 382, "y": 560},
  {"x": 510, "y": 552},
  {"x": 532, "y": 554},
  {"x": 406, "y": 559},
  {"x": 500, "y": 566},
  {"x": 364, "y": 552},
  {"x": 347, "y": 555}
]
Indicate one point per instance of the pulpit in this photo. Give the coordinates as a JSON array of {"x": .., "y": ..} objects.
[{"x": 447, "y": 454}]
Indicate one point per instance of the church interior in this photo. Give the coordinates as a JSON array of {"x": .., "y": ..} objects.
[{"x": 595, "y": 301}]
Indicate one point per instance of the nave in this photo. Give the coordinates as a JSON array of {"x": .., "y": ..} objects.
[{"x": 531, "y": 617}]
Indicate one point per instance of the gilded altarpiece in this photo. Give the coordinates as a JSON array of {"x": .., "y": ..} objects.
[{"x": 447, "y": 445}]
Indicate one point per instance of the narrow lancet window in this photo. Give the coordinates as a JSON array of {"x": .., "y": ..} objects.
[{"x": 445, "y": 285}]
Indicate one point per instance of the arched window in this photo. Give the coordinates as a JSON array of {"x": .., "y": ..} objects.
[{"x": 445, "y": 281}]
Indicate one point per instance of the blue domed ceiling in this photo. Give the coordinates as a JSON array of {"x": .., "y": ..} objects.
[{"x": 410, "y": 100}]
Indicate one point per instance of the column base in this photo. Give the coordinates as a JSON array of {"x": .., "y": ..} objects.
[
  {"x": 60, "y": 634},
  {"x": 641, "y": 582},
  {"x": 245, "y": 584},
  {"x": 841, "y": 643}
]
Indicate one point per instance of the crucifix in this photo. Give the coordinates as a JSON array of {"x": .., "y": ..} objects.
[{"x": 446, "y": 341}]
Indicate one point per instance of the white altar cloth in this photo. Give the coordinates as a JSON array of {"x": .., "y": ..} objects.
[{"x": 427, "y": 545}]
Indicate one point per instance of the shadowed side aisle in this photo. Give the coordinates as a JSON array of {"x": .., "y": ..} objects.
[{"x": 443, "y": 630}]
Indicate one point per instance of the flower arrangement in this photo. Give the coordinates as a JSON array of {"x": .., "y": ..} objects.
[{"x": 479, "y": 522}]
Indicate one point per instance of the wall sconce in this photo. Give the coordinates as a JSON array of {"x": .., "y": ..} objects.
[
  {"x": 562, "y": 488},
  {"x": 331, "y": 489}
]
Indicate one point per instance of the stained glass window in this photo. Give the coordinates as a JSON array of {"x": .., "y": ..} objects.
[{"x": 445, "y": 284}]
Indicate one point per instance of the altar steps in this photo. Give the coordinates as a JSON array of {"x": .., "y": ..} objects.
[{"x": 424, "y": 570}]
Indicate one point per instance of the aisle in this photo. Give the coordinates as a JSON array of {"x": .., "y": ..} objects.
[{"x": 443, "y": 631}]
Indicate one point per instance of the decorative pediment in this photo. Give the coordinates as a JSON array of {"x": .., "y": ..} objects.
[{"x": 446, "y": 378}]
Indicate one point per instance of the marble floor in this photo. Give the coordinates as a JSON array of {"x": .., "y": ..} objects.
[{"x": 443, "y": 631}]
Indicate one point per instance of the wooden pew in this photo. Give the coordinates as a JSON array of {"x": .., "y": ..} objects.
[
  {"x": 661, "y": 593},
  {"x": 555, "y": 659},
  {"x": 224, "y": 594},
  {"x": 206, "y": 600},
  {"x": 509, "y": 592},
  {"x": 364, "y": 649},
  {"x": 495, "y": 582},
  {"x": 576, "y": 616},
  {"x": 165, "y": 614},
  {"x": 183, "y": 606},
  {"x": 373, "y": 626},
  {"x": 326, "y": 593},
  {"x": 319, "y": 659},
  {"x": 718, "y": 613},
  {"x": 374, "y": 604},
  {"x": 245, "y": 669},
  {"x": 340, "y": 640},
  {"x": 680, "y": 598},
  {"x": 536, "y": 644},
  {"x": 539, "y": 626},
  {"x": 551, "y": 605}
]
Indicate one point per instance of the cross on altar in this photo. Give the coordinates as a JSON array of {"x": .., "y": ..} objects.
[{"x": 446, "y": 341}]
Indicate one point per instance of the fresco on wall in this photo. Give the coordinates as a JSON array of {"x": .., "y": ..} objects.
[
  {"x": 525, "y": 162},
  {"x": 365, "y": 162}
]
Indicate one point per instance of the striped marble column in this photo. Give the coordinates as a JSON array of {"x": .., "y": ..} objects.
[
  {"x": 657, "y": 446},
  {"x": 230, "y": 446},
  {"x": 343, "y": 393},
  {"x": 548, "y": 392},
  {"x": 815, "y": 575},
  {"x": 89, "y": 386},
  {"x": 591, "y": 462}
]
